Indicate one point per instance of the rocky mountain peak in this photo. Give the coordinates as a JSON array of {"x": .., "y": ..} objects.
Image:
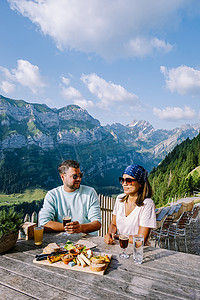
[
  {"x": 143, "y": 126},
  {"x": 76, "y": 112},
  {"x": 25, "y": 124}
]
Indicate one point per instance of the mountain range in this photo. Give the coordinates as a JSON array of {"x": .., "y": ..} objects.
[{"x": 35, "y": 139}]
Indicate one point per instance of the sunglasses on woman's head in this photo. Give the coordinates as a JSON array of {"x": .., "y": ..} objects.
[{"x": 126, "y": 180}]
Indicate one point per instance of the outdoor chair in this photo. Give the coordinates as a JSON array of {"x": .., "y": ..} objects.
[
  {"x": 194, "y": 217},
  {"x": 172, "y": 210},
  {"x": 178, "y": 229},
  {"x": 163, "y": 213},
  {"x": 162, "y": 232}
]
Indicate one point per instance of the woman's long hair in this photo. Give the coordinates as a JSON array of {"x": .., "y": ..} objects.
[{"x": 145, "y": 191}]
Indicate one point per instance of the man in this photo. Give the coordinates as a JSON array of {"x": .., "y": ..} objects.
[{"x": 81, "y": 200}]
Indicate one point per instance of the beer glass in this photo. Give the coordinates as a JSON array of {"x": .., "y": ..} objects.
[
  {"x": 123, "y": 241},
  {"x": 67, "y": 219},
  {"x": 38, "y": 235}
]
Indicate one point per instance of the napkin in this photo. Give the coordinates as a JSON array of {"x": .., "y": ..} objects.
[{"x": 87, "y": 244}]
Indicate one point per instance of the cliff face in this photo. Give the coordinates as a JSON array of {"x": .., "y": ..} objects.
[
  {"x": 141, "y": 136},
  {"x": 24, "y": 124},
  {"x": 34, "y": 139}
]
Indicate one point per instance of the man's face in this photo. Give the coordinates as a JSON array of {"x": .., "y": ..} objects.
[{"x": 71, "y": 184}]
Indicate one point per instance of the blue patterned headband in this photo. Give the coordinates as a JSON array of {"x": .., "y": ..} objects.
[{"x": 138, "y": 172}]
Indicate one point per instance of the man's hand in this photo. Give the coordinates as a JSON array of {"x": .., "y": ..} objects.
[
  {"x": 109, "y": 238},
  {"x": 73, "y": 227}
]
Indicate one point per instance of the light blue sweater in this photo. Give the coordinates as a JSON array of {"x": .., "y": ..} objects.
[{"x": 83, "y": 204}]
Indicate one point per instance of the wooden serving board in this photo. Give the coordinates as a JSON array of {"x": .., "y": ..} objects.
[{"x": 60, "y": 264}]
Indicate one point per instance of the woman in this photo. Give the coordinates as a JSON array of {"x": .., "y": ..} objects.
[{"x": 134, "y": 211}]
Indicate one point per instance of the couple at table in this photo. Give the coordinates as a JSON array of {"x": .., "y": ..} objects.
[{"x": 134, "y": 210}]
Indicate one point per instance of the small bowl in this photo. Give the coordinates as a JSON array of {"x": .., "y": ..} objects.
[
  {"x": 74, "y": 251},
  {"x": 67, "y": 258},
  {"x": 79, "y": 246}
]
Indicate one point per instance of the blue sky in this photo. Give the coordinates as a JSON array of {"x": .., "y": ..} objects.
[{"x": 121, "y": 60}]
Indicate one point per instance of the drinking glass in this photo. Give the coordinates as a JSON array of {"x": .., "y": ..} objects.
[
  {"x": 67, "y": 219},
  {"x": 138, "y": 243},
  {"x": 123, "y": 241},
  {"x": 38, "y": 235}
]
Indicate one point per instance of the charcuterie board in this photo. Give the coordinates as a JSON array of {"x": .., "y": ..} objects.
[{"x": 60, "y": 264}]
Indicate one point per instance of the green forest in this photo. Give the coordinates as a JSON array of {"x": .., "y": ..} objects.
[{"x": 178, "y": 175}]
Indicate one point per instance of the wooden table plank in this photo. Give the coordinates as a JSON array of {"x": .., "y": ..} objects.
[
  {"x": 169, "y": 284},
  {"x": 160, "y": 275},
  {"x": 50, "y": 288},
  {"x": 7, "y": 293}
]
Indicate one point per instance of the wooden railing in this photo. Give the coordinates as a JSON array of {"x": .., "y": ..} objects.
[{"x": 106, "y": 205}]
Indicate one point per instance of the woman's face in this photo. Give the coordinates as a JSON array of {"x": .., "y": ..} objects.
[{"x": 130, "y": 188}]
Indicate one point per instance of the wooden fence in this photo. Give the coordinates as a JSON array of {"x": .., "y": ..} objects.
[{"x": 106, "y": 205}]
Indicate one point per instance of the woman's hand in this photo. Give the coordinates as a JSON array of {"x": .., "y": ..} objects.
[
  {"x": 109, "y": 238},
  {"x": 130, "y": 239}
]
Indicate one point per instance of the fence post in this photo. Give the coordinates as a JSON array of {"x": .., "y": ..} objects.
[
  {"x": 27, "y": 218},
  {"x": 34, "y": 217}
]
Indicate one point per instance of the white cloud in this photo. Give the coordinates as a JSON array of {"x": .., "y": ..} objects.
[
  {"x": 74, "y": 95},
  {"x": 84, "y": 103},
  {"x": 110, "y": 29},
  {"x": 5, "y": 72},
  {"x": 65, "y": 81},
  {"x": 144, "y": 46},
  {"x": 109, "y": 93},
  {"x": 183, "y": 80},
  {"x": 7, "y": 87},
  {"x": 49, "y": 102},
  {"x": 71, "y": 93},
  {"x": 25, "y": 74},
  {"x": 174, "y": 113}
]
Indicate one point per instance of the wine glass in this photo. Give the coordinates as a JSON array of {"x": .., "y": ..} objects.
[
  {"x": 123, "y": 241},
  {"x": 67, "y": 219}
]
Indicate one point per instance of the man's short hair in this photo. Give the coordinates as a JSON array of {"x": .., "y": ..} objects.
[{"x": 65, "y": 165}]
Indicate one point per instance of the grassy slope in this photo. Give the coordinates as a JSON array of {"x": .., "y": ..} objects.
[{"x": 28, "y": 195}]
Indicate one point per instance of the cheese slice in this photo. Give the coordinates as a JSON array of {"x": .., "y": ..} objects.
[
  {"x": 83, "y": 264},
  {"x": 85, "y": 259}
]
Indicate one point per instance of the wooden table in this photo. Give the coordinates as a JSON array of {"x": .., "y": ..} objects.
[{"x": 164, "y": 274}]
